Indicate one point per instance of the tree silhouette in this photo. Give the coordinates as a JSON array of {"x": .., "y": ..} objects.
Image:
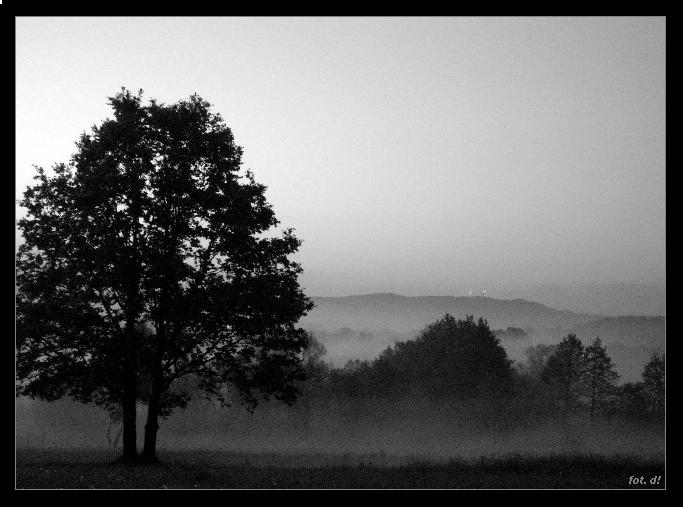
[
  {"x": 452, "y": 358},
  {"x": 148, "y": 257},
  {"x": 599, "y": 375},
  {"x": 564, "y": 371},
  {"x": 653, "y": 389}
]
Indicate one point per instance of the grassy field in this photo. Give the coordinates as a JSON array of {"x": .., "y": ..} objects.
[{"x": 206, "y": 469}]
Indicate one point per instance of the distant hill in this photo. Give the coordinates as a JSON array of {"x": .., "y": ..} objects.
[{"x": 386, "y": 311}]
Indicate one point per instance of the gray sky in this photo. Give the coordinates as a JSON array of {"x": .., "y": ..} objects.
[{"x": 413, "y": 155}]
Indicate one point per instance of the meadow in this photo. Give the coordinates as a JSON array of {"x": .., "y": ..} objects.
[{"x": 98, "y": 469}]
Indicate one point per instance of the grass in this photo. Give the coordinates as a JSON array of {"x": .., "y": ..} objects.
[{"x": 89, "y": 469}]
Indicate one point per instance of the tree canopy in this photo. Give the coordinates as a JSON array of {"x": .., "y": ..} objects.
[
  {"x": 452, "y": 358},
  {"x": 600, "y": 375},
  {"x": 152, "y": 255},
  {"x": 564, "y": 371},
  {"x": 654, "y": 385}
]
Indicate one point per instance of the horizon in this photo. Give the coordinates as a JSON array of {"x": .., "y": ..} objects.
[{"x": 631, "y": 299}]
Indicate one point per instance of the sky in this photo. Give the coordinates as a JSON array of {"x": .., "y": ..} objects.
[{"x": 411, "y": 155}]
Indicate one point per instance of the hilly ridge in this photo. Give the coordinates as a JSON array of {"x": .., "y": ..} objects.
[{"x": 388, "y": 311}]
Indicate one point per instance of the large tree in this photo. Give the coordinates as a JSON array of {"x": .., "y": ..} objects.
[
  {"x": 654, "y": 384},
  {"x": 150, "y": 256},
  {"x": 599, "y": 375},
  {"x": 451, "y": 359},
  {"x": 564, "y": 371}
]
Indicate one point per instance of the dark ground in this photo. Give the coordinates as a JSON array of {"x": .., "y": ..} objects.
[{"x": 88, "y": 469}]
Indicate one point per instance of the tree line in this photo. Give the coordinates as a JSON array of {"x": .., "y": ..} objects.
[{"x": 462, "y": 359}]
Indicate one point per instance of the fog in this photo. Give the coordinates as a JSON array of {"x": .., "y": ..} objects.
[
  {"x": 388, "y": 433},
  {"x": 392, "y": 431}
]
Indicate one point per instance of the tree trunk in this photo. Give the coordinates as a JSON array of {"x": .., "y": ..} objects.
[
  {"x": 130, "y": 451},
  {"x": 133, "y": 307},
  {"x": 149, "y": 451},
  {"x": 130, "y": 396}
]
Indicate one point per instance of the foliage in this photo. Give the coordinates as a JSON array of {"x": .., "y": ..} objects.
[
  {"x": 599, "y": 375},
  {"x": 653, "y": 387},
  {"x": 450, "y": 359},
  {"x": 564, "y": 371},
  {"x": 151, "y": 256}
]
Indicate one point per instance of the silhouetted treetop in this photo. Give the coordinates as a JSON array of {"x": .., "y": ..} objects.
[
  {"x": 450, "y": 359},
  {"x": 152, "y": 255},
  {"x": 565, "y": 369}
]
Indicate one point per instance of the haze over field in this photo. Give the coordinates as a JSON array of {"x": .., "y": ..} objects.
[{"x": 361, "y": 327}]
